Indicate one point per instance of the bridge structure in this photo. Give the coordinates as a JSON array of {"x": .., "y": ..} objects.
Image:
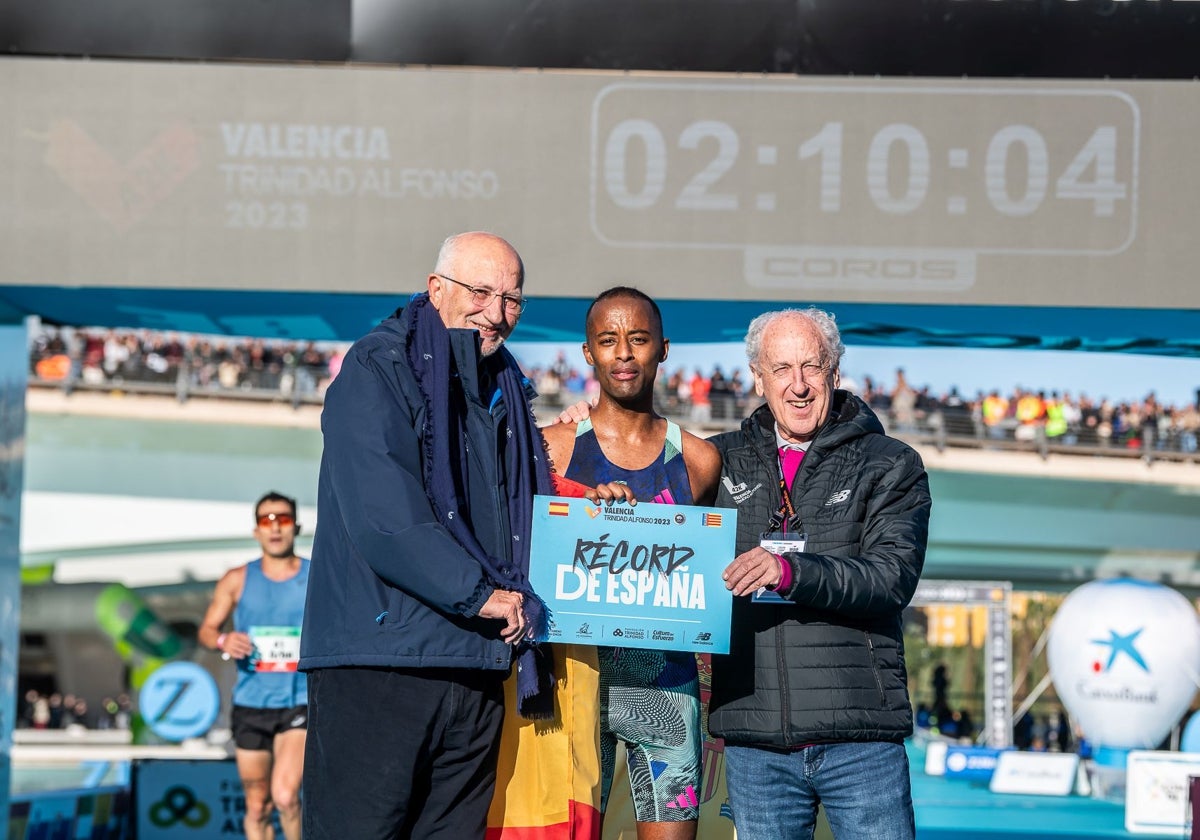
[{"x": 157, "y": 495}]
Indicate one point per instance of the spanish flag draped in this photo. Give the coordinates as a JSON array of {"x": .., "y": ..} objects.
[{"x": 548, "y": 777}]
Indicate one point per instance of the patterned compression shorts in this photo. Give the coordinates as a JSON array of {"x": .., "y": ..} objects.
[{"x": 650, "y": 700}]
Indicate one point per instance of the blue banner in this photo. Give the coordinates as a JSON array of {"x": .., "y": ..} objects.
[
  {"x": 643, "y": 576},
  {"x": 974, "y": 763}
]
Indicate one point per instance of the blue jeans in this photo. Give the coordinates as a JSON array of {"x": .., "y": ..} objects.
[{"x": 864, "y": 789}]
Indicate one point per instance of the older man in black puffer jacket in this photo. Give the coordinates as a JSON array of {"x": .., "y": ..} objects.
[{"x": 833, "y": 518}]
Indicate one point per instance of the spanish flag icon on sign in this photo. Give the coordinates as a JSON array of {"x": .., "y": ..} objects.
[
  {"x": 560, "y": 509},
  {"x": 712, "y": 520}
]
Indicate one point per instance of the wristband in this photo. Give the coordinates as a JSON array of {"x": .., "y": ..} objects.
[
  {"x": 785, "y": 575},
  {"x": 220, "y": 646}
]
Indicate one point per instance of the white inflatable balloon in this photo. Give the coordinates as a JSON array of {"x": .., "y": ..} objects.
[{"x": 1125, "y": 658}]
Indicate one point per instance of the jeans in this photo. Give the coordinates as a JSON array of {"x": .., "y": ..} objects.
[{"x": 863, "y": 787}]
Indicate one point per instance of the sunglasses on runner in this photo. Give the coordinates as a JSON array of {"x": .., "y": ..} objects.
[{"x": 282, "y": 519}]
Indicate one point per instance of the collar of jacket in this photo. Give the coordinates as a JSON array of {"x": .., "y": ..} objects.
[{"x": 476, "y": 373}]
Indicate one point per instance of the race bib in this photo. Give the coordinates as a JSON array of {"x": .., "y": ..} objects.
[{"x": 276, "y": 649}]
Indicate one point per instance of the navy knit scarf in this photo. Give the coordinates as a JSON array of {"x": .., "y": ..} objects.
[{"x": 444, "y": 471}]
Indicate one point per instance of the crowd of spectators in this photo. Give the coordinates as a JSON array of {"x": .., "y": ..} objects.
[
  {"x": 1055, "y": 417},
  {"x": 65, "y": 711},
  {"x": 296, "y": 372},
  {"x": 1050, "y": 417},
  {"x": 183, "y": 364}
]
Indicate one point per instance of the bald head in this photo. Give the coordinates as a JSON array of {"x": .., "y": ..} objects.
[
  {"x": 477, "y": 279},
  {"x": 472, "y": 244}
]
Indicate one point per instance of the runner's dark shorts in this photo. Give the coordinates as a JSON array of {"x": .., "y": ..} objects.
[{"x": 255, "y": 729}]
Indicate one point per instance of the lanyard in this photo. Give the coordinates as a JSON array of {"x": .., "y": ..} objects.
[{"x": 785, "y": 518}]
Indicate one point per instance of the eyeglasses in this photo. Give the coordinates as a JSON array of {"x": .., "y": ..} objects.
[
  {"x": 481, "y": 297},
  {"x": 810, "y": 372},
  {"x": 283, "y": 520}
]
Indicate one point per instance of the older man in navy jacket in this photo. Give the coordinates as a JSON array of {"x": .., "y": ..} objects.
[{"x": 418, "y": 599}]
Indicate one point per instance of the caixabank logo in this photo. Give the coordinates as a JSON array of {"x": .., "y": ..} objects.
[{"x": 1116, "y": 646}]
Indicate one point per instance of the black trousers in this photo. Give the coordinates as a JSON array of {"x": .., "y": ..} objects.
[{"x": 401, "y": 753}]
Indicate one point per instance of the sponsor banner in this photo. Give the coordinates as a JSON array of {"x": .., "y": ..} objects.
[
  {"x": 188, "y": 798},
  {"x": 973, "y": 763},
  {"x": 889, "y": 191},
  {"x": 640, "y": 576}
]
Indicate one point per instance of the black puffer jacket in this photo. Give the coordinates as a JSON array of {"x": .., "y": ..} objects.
[{"x": 828, "y": 667}]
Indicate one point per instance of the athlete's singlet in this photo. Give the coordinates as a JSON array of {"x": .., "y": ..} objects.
[
  {"x": 271, "y": 612},
  {"x": 650, "y": 699}
]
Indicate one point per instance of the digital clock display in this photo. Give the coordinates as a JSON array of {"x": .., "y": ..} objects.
[{"x": 847, "y": 169}]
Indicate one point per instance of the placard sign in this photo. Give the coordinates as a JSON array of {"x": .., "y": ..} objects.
[
  {"x": 1156, "y": 791},
  {"x": 645, "y": 576},
  {"x": 1044, "y": 774}
]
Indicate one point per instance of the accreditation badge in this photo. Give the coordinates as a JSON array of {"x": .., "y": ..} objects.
[{"x": 778, "y": 543}]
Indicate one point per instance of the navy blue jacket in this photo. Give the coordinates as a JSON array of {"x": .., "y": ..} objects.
[{"x": 389, "y": 586}]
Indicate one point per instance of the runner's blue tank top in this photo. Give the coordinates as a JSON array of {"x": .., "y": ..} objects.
[
  {"x": 664, "y": 481},
  {"x": 271, "y": 611}
]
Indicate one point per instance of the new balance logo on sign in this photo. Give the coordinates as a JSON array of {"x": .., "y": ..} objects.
[{"x": 838, "y": 497}]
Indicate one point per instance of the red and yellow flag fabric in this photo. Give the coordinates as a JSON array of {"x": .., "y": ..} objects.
[{"x": 548, "y": 777}]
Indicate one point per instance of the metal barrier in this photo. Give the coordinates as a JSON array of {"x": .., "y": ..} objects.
[{"x": 940, "y": 428}]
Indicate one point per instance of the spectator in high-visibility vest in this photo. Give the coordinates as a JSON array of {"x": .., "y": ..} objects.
[
  {"x": 1056, "y": 420},
  {"x": 995, "y": 409},
  {"x": 1031, "y": 415}
]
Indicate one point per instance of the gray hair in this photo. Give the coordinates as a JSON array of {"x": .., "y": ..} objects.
[
  {"x": 448, "y": 253},
  {"x": 824, "y": 323}
]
